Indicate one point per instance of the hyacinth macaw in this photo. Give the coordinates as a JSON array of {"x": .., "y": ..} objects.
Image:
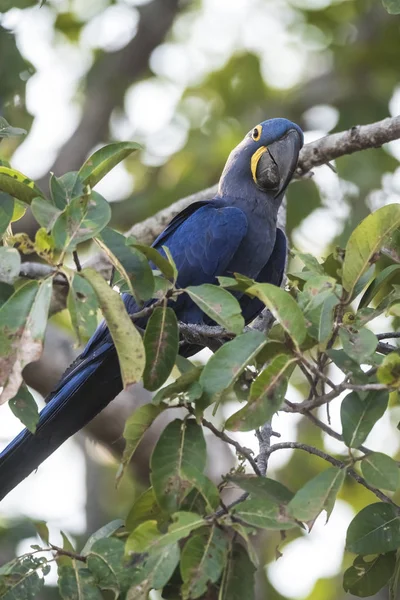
[{"x": 236, "y": 231}]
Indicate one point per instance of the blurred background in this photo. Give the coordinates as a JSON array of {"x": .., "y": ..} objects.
[{"x": 188, "y": 79}]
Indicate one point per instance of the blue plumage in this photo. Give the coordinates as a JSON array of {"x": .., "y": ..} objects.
[{"x": 234, "y": 232}]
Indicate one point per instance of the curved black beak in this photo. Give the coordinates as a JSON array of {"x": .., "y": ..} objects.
[{"x": 277, "y": 164}]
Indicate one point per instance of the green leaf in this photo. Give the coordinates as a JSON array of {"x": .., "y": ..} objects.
[
  {"x": 229, "y": 361},
  {"x": 105, "y": 562},
  {"x": 104, "y": 532},
  {"x": 44, "y": 212},
  {"x": 359, "y": 416},
  {"x": 389, "y": 370},
  {"x": 394, "y": 583},
  {"x": 147, "y": 538},
  {"x": 128, "y": 261},
  {"x": 326, "y": 320},
  {"x": 19, "y": 579},
  {"x": 180, "y": 446},
  {"x": 267, "y": 393},
  {"x": 203, "y": 558},
  {"x": 219, "y": 305},
  {"x": 238, "y": 578},
  {"x": 18, "y": 185},
  {"x": 127, "y": 339},
  {"x": 310, "y": 262},
  {"x": 81, "y": 220},
  {"x": 155, "y": 257},
  {"x": 161, "y": 343},
  {"x": 24, "y": 407},
  {"x": 145, "y": 508},
  {"x": 186, "y": 383},
  {"x": 135, "y": 428},
  {"x": 264, "y": 513},
  {"x": 383, "y": 278},
  {"x": 283, "y": 307},
  {"x": 374, "y": 530},
  {"x": 154, "y": 572},
  {"x": 359, "y": 345},
  {"x": 367, "y": 577},
  {"x": 43, "y": 531},
  {"x": 10, "y": 264},
  {"x": 365, "y": 241},
  {"x": 263, "y": 488},
  {"x": 381, "y": 471},
  {"x": 23, "y": 319},
  {"x": 392, "y": 6},
  {"x": 82, "y": 305},
  {"x": 105, "y": 159},
  {"x": 77, "y": 583},
  {"x": 66, "y": 188},
  {"x": 6, "y": 131},
  {"x": 317, "y": 495},
  {"x": 6, "y": 212}
]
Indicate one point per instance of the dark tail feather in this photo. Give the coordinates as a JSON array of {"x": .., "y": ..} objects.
[{"x": 82, "y": 393}]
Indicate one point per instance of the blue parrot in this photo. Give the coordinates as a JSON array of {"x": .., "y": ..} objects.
[{"x": 236, "y": 231}]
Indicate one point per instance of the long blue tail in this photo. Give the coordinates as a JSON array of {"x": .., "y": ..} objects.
[{"x": 86, "y": 388}]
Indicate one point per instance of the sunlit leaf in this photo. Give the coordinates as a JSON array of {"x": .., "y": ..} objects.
[
  {"x": 366, "y": 240},
  {"x": 219, "y": 305},
  {"x": 18, "y": 185},
  {"x": 105, "y": 159},
  {"x": 127, "y": 339},
  {"x": 283, "y": 307},
  {"x": 389, "y": 370}
]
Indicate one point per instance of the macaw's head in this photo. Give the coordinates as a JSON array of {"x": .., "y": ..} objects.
[{"x": 264, "y": 161}]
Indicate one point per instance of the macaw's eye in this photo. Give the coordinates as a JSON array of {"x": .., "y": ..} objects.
[{"x": 256, "y": 133}]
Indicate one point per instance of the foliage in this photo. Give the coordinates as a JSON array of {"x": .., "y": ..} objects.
[{"x": 178, "y": 531}]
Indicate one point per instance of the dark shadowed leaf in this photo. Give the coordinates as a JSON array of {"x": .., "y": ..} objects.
[
  {"x": 186, "y": 383},
  {"x": 359, "y": 416},
  {"x": 284, "y": 308},
  {"x": 161, "y": 342},
  {"x": 126, "y": 337},
  {"x": 381, "y": 471},
  {"x": 128, "y": 261},
  {"x": 317, "y": 495},
  {"x": 23, "y": 319},
  {"x": 374, "y": 530},
  {"x": 359, "y": 344},
  {"x": 135, "y": 427},
  {"x": 24, "y": 407},
  {"x": 10, "y": 264},
  {"x": 81, "y": 220},
  {"x": 366, "y": 240},
  {"x": 202, "y": 561},
  {"x": 20, "y": 579},
  {"x": 219, "y": 305},
  {"x": 267, "y": 393},
  {"x": 367, "y": 577},
  {"x": 82, "y": 305},
  {"x": 238, "y": 577},
  {"x": 105, "y": 159},
  {"x": 180, "y": 446},
  {"x": 229, "y": 361}
]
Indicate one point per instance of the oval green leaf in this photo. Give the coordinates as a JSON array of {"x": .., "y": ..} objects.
[
  {"x": 161, "y": 343},
  {"x": 381, "y": 471},
  {"x": 374, "y": 530},
  {"x": 366, "y": 577},
  {"x": 219, "y": 305},
  {"x": 359, "y": 416},
  {"x": 105, "y": 159},
  {"x": 317, "y": 495}
]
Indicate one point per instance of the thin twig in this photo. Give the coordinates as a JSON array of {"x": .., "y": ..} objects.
[
  {"x": 389, "y": 335},
  {"x": 77, "y": 261}
]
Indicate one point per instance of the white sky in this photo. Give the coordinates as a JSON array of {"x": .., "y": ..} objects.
[{"x": 200, "y": 43}]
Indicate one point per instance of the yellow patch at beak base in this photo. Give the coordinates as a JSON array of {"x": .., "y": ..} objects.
[{"x": 254, "y": 161}]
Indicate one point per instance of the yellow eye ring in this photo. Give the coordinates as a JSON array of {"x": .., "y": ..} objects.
[{"x": 256, "y": 133}]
